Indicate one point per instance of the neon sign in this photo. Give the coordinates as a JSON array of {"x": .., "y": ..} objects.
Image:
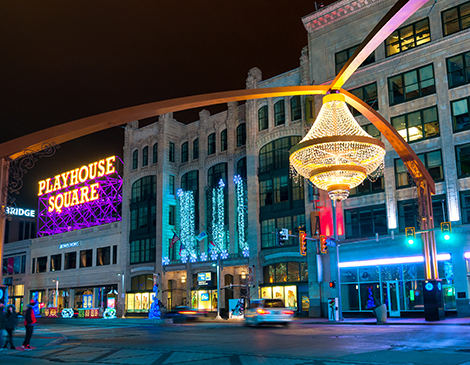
[
  {"x": 20, "y": 212},
  {"x": 82, "y": 197}
]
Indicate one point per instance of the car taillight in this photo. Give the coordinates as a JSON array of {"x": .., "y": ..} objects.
[
  {"x": 262, "y": 311},
  {"x": 288, "y": 312},
  {"x": 187, "y": 312}
]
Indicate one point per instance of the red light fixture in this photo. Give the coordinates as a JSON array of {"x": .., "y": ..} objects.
[{"x": 263, "y": 312}]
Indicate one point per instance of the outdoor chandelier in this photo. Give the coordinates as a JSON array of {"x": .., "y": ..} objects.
[{"x": 337, "y": 155}]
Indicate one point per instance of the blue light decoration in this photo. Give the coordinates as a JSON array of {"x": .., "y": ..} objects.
[
  {"x": 218, "y": 219},
  {"x": 193, "y": 258},
  {"x": 241, "y": 195},
  {"x": 109, "y": 313},
  {"x": 154, "y": 312},
  {"x": 166, "y": 260},
  {"x": 214, "y": 255},
  {"x": 429, "y": 286},
  {"x": 67, "y": 313},
  {"x": 203, "y": 256},
  {"x": 187, "y": 223},
  {"x": 224, "y": 255},
  {"x": 184, "y": 259},
  {"x": 36, "y": 304}
]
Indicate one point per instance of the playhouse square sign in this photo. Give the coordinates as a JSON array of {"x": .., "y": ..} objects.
[{"x": 53, "y": 186}]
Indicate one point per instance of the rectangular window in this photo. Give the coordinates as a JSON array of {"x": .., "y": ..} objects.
[
  {"x": 70, "y": 260},
  {"x": 407, "y": 37},
  {"x": 142, "y": 251},
  {"x": 33, "y": 266},
  {"x": 368, "y": 94},
  {"x": 211, "y": 144},
  {"x": 171, "y": 184},
  {"x": 223, "y": 140},
  {"x": 145, "y": 156},
  {"x": 295, "y": 108},
  {"x": 458, "y": 69},
  {"x": 171, "y": 215},
  {"x": 342, "y": 57},
  {"x": 266, "y": 192},
  {"x": 460, "y": 114},
  {"x": 56, "y": 262},
  {"x": 411, "y": 85},
  {"x": 241, "y": 135},
  {"x": 366, "y": 221},
  {"x": 196, "y": 149},
  {"x": 297, "y": 190},
  {"x": 143, "y": 219},
  {"x": 23, "y": 264},
  {"x": 462, "y": 153},
  {"x": 368, "y": 187},
  {"x": 279, "y": 113},
  {"x": 114, "y": 254},
  {"x": 135, "y": 159},
  {"x": 372, "y": 130},
  {"x": 431, "y": 160},
  {"x": 263, "y": 118},
  {"x": 155, "y": 153},
  {"x": 27, "y": 230},
  {"x": 134, "y": 219},
  {"x": 21, "y": 231},
  {"x": 281, "y": 189},
  {"x": 268, "y": 235},
  {"x": 86, "y": 258},
  {"x": 103, "y": 256},
  {"x": 184, "y": 152},
  {"x": 408, "y": 215},
  {"x": 42, "y": 264},
  {"x": 456, "y": 19},
  {"x": 171, "y": 152},
  {"x": 465, "y": 206},
  {"x": 418, "y": 125}
]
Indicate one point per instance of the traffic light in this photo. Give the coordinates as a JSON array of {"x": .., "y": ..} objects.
[
  {"x": 333, "y": 284},
  {"x": 410, "y": 235},
  {"x": 446, "y": 229},
  {"x": 303, "y": 243},
  {"x": 323, "y": 246}
]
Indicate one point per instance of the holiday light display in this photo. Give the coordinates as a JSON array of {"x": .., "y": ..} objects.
[
  {"x": 67, "y": 313},
  {"x": 240, "y": 186},
  {"x": 336, "y": 155},
  {"x": 165, "y": 260},
  {"x": 187, "y": 224},
  {"x": 218, "y": 218},
  {"x": 203, "y": 256}
]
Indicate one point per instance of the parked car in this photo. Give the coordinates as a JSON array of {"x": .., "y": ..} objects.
[{"x": 268, "y": 311}]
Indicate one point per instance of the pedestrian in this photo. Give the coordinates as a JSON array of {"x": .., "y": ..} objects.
[
  {"x": 11, "y": 321},
  {"x": 2, "y": 325},
  {"x": 29, "y": 321}
]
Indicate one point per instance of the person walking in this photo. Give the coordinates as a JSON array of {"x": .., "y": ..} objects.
[
  {"x": 11, "y": 321},
  {"x": 29, "y": 321},
  {"x": 2, "y": 325}
]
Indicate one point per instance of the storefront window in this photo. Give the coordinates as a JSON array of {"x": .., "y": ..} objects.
[
  {"x": 293, "y": 271},
  {"x": 281, "y": 272},
  {"x": 303, "y": 271},
  {"x": 349, "y": 296}
]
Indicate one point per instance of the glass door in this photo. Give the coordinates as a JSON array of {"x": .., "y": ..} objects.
[{"x": 392, "y": 297}]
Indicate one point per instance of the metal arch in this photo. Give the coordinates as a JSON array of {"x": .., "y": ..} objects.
[{"x": 82, "y": 127}]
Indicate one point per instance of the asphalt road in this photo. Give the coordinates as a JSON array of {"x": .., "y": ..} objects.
[{"x": 234, "y": 344}]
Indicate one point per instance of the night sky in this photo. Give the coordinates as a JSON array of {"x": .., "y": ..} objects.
[{"x": 65, "y": 60}]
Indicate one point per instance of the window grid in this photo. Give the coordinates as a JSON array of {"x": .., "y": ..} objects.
[
  {"x": 145, "y": 156},
  {"x": 241, "y": 134},
  {"x": 184, "y": 152},
  {"x": 223, "y": 140},
  {"x": 456, "y": 19},
  {"x": 295, "y": 108},
  {"x": 135, "y": 159},
  {"x": 368, "y": 94},
  {"x": 263, "y": 118},
  {"x": 171, "y": 184},
  {"x": 460, "y": 114},
  {"x": 431, "y": 160},
  {"x": 411, "y": 85},
  {"x": 342, "y": 57},
  {"x": 279, "y": 113},
  {"x": 418, "y": 125},
  {"x": 171, "y": 152},
  {"x": 458, "y": 70},
  {"x": 408, "y": 37},
  {"x": 196, "y": 149},
  {"x": 366, "y": 221},
  {"x": 211, "y": 144},
  {"x": 155, "y": 153}
]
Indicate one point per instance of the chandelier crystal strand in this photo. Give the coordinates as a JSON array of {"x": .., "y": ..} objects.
[{"x": 336, "y": 155}]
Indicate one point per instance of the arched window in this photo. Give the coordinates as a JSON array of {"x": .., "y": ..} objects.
[
  {"x": 295, "y": 108},
  {"x": 145, "y": 156},
  {"x": 263, "y": 118},
  {"x": 241, "y": 168},
  {"x": 211, "y": 144},
  {"x": 241, "y": 134},
  {"x": 275, "y": 155},
  {"x": 223, "y": 140},
  {"x": 143, "y": 189},
  {"x": 279, "y": 113},
  {"x": 135, "y": 159},
  {"x": 184, "y": 152},
  {"x": 215, "y": 173}
]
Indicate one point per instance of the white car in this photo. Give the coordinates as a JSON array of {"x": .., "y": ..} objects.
[{"x": 272, "y": 311}]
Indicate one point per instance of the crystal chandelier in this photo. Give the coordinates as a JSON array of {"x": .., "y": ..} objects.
[{"x": 336, "y": 155}]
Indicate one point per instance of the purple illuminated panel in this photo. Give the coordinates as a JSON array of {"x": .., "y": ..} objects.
[{"x": 105, "y": 209}]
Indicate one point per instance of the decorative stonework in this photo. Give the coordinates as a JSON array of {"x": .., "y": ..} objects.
[
  {"x": 284, "y": 132},
  {"x": 254, "y": 77},
  {"x": 334, "y": 12}
]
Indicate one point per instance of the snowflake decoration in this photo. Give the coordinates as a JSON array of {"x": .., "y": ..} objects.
[
  {"x": 221, "y": 183},
  {"x": 224, "y": 255},
  {"x": 246, "y": 252},
  {"x": 193, "y": 258},
  {"x": 166, "y": 261},
  {"x": 184, "y": 259},
  {"x": 203, "y": 256},
  {"x": 214, "y": 255}
]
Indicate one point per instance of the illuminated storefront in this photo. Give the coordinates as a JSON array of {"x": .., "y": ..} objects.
[
  {"x": 204, "y": 295},
  {"x": 138, "y": 300},
  {"x": 287, "y": 281}
]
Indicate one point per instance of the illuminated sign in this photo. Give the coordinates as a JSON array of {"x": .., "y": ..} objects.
[
  {"x": 86, "y": 196},
  {"x": 20, "y": 212},
  {"x": 68, "y": 245},
  {"x": 204, "y": 297},
  {"x": 204, "y": 278}
]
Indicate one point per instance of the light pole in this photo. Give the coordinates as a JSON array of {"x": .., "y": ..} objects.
[
  {"x": 335, "y": 235},
  {"x": 218, "y": 288},
  {"x": 56, "y": 291},
  {"x": 123, "y": 295}
]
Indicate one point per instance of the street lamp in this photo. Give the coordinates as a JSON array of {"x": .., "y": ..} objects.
[
  {"x": 337, "y": 155},
  {"x": 218, "y": 289},
  {"x": 123, "y": 296}
]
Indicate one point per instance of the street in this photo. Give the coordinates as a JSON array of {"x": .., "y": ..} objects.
[{"x": 232, "y": 343}]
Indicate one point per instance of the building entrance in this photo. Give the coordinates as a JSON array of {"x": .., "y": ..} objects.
[{"x": 391, "y": 295}]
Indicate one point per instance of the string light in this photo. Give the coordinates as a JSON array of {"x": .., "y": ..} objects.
[
  {"x": 165, "y": 260},
  {"x": 241, "y": 211},
  {"x": 336, "y": 155},
  {"x": 187, "y": 223},
  {"x": 224, "y": 255},
  {"x": 203, "y": 256}
]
